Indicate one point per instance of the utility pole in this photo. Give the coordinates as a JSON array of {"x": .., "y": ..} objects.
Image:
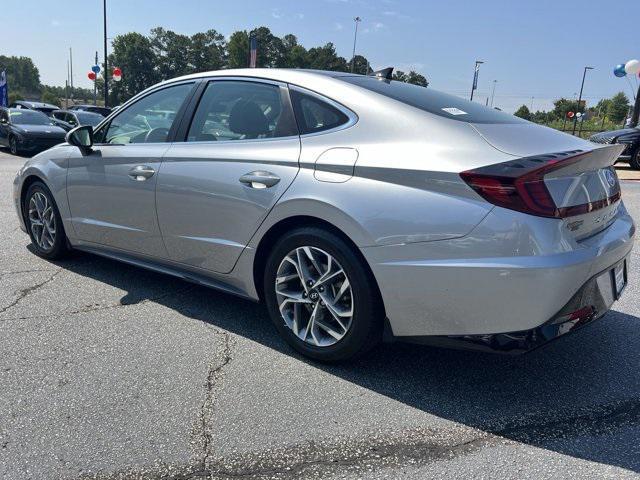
[
  {"x": 531, "y": 108},
  {"x": 493, "y": 92},
  {"x": 475, "y": 78},
  {"x": 575, "y": 118},
  {"x": 106, "y": 69},
  {"x": 71, "y": 72},
  {"x": 95, "y": 86},
  {"x": 355, "y": 38}
]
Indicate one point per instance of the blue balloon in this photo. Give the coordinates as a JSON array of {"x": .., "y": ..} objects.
[
  {"x": 619, "y": 70},
  {"x": 96, "y": 68}
]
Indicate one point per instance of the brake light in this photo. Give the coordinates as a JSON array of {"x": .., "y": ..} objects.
[{"x": 519, "y": 185}]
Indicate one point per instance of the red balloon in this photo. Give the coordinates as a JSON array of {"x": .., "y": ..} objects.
[
  {"x": 91, "y": 75},
  {"x": 570, "y": 114},
  {"x": 117, "y": 72}
]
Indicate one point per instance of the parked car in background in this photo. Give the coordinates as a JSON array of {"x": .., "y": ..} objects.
[
  {"x": 104, "y": 111},
  {"x": 629, "y": 137},
  {"x": 28, "y": 131},
  {"x": 45, "y": 108},
  {"x": 356, "y": 207},
  {"x": 69, "y": 119}
]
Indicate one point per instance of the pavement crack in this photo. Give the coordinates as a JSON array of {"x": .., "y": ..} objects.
[
  {"x": 213, "y": 381},
  {"x": 29, "y": 290}
]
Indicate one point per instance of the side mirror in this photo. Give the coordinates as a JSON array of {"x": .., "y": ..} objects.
[{"x": 81, "y": 137}]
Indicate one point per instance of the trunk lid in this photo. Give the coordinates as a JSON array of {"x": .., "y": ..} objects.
[{"x": 561, "y": 172}]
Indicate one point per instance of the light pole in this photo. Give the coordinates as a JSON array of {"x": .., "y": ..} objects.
[
  {"x": 475, "y": 77},
  {"x": 493, "y": 91},
  {"x": 357, "y": 20},
  {"x": 575, "y": 119},
  {"x": 106, "y": 69}
]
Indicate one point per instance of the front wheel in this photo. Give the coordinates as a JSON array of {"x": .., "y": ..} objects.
[
  {"x": 321, "y": 297},
  {"x": 44, "y": 223},
  {"x": 13, "y": 146}
]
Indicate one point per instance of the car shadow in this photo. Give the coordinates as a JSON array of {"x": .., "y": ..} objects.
[{"x": 577, "y": 396}]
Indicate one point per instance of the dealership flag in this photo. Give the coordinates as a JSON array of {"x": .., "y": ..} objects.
[
  {"x": 254, "y": 53},
  {"x": 4, "y": 90}
]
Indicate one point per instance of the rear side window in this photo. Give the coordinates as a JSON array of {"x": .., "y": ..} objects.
[
  {"x": 314, "y": 115},
  {"x": 432, "y": 101}
]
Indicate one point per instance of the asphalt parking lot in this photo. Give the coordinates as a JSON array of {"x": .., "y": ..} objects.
[{"x": 112, "y": 372}]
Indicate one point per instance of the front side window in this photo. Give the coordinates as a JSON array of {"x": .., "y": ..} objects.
[
  {"x": 239, "y": 110},
  {"x": 146, "y": 121},
  {"x": 314, "y": 115}
]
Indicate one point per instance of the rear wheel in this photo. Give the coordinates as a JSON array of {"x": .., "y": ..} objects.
[
  {"x": 44, "y": 223},
  {"x": 13, "y": 146},
  {"x": 321, "y": 297},
  {"x": 634, "y": 161}
]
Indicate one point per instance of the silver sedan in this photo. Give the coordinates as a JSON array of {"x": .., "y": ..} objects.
[{"x": 359, "y": 209}]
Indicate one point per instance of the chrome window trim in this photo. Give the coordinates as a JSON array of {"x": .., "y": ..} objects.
[{"x": 351, "y": 115}]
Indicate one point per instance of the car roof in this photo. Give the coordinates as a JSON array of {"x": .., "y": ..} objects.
[{"x": 35, "y": 104}]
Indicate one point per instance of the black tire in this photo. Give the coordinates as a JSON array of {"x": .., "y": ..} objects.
[
  {"x": 368, "y": 312},
  {"x": 59, "y": 247},
  {"x": 13, "y": 146},
  {"x": 634, "y": 161}
]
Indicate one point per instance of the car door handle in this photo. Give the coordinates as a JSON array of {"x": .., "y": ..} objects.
[
  {"x": 259, "y": 179},
  {"x": 141, "y": 172}
]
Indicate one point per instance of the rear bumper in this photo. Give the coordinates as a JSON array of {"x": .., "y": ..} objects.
[
  {"x": 590, "y": 303},
  {"x": 513, "y": 273}
]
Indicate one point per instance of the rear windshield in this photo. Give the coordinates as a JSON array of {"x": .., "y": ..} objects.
[{"x": 432, "y": 101}]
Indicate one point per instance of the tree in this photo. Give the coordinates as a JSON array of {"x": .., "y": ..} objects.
[
  {"x": 360, "y": 65},
  {"x": 238, "y": 50},
  {"x": 412, "y": 77},
  {"x": 49, "y": 97},
  {"x": 14, "y": 96},
  {"x": 326, "y": 58},
  {"x": 271, "y": 49},
  {"x": 562, "y": 106},
  {"x": 208, "y": 51},
  {"x": 134, "y": 54},
  {"x": 523, "y": 112},
  {"x": 22, "y": 74},
  {"x": 171, "y": 51},
  {"x": 295, "y": 54},
  {"x": 618, "y": 107}
]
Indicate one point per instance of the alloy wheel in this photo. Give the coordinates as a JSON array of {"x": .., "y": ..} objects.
[
  {"x": 13, "y": 146},
  {"x": 314, "y": 296},
  {"x": 42, "y": 221}
]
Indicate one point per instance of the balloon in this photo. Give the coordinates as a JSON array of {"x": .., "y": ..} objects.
[
  {"x": 570, "y": 114},
  {"x": 619, "y": 70},
  {"x": 117, "y": 78},
  {"x": 117, "y": 72},
  {"x": 96, "y": 69},
  {"x": 91, "y": 75},
  {"x": 632, "y": 67}
]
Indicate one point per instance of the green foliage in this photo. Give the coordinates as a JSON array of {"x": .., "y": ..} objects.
[
  {"x": 49, "y": 97},
  {"x": 524, "y": 112},
  {"x": 411, "y": 77},
  {"x": 618, "y": 107},
  {"x": 562, "y": 106},
  {"x": 22, "y": 74},
  {"x": 136, "y": 55},
  {"x": 360, "y": 65},
  {"x": 238, "y": 50},
  {"x": 14, "y": 96}
]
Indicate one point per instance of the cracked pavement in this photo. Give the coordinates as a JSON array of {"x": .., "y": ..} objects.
[{"x": 111, "y": 372}]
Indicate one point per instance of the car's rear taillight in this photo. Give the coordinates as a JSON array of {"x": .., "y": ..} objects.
[{"x": 520, "y": 185}]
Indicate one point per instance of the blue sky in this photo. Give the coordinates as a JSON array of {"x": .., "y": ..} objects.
[{"x": 532, "y": 48}]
